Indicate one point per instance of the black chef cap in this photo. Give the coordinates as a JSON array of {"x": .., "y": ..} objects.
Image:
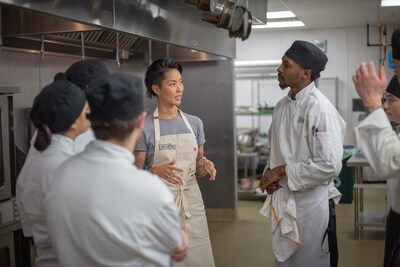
[
  {"x": 394, "y": 87},
  {"x": 58, "y": 106},
  {"x": 117, "y": 96},
  {"x": 396, "y": 44},
  {"x": 308, "y": 56},
  {"x": 83, "y": 72}
]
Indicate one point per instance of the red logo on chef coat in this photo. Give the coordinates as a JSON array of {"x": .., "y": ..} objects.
[{"x": 195, "y": 149}]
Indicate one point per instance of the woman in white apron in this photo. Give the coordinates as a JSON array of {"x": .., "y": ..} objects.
[{"x": 172, "y": 148}]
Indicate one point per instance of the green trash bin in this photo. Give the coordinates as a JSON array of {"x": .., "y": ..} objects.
[{"x": 346, "y": 175}]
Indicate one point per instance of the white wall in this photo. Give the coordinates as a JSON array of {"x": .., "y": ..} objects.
[{"x": 346, "y": 49}]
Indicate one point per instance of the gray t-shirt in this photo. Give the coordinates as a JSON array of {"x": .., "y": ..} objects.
[{"x": 167, "y": 127}]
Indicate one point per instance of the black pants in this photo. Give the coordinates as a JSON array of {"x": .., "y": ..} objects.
[
  {"x": 332, "y": 238},
  {"x": 392, "y": 240}
]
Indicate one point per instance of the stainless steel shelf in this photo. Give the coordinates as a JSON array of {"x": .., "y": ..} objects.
[
  {"x": 371, "y": 185},
  {"x": 252, "y": 193},
  {"x": 372, "y": 219},
  {"x": 261, "y": 113},
  {"x": 364, "y": 218}
]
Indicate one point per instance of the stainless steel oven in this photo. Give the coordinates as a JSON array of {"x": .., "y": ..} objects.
[
  {"x": 7, "y": 253},
  {"x": 14, "y": 248},
  {"x": 7, "y": 179}
]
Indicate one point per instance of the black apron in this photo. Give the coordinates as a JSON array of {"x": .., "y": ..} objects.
[
  {"x": 392, "y": 240},
  {"x": 332, "y": 238}
]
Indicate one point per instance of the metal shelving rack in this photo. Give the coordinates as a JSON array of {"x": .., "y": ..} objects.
[{"x": 364, "y": 218}]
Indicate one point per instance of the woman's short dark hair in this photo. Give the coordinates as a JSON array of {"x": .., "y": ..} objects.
[
  {"x": 117, "y": 129},
  {"x": 155, "y": 73}
]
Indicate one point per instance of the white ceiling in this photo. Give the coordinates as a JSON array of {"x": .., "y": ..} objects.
[{"x": 338, "y": 13}]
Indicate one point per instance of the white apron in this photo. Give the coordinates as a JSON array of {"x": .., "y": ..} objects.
[
  {"x": 183, "y": 148},
  {"x": 312, "y": 208}
]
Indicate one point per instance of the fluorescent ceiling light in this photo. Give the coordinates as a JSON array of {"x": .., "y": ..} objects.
[
  {"x": 390, "y": 3},
  {"x": 279, "y": 24},
  {"x": 280, "y": 15}
]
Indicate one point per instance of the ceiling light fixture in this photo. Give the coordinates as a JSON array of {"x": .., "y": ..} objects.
[
  {"x": 390, "y": 2},
  {"x": 280, "y": 24},
  {"x": 280, "y": 15}
]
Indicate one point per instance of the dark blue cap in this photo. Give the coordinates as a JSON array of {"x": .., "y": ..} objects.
[
  {"x": 308, "y": 56},
  {"x": 117, "y": 96},
  {"x": 394, "y": 86},
  {"x": 58, "y": 105},
  {"x": 83, "y": 72}
]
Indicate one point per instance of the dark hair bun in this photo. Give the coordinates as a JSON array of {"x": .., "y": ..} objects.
[{"x": 43, "y": 137}]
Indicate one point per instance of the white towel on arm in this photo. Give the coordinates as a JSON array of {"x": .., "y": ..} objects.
[{"x": 281, "y": 208}]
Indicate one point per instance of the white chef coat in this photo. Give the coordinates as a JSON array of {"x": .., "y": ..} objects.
[
  {"x": 32, "y": 184},
  {"x": 83, "y": 140},
  {"x": 381, "y": 147},
  {"x": 103, "y": 211},
  {"x": 306, "y": 135},
  {"x": 79, "y": 144}
]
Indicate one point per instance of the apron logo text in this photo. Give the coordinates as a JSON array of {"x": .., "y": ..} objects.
[{"x": 166, "y": 146}]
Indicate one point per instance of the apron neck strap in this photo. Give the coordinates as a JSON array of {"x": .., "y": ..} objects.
[{"x": 156, "y": 119}]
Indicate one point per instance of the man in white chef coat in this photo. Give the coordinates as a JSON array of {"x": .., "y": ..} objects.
[
  {"x": 380, "y": 144},
  {"x": 306, "y": 137},
  {"x": 102, "y": 210}
]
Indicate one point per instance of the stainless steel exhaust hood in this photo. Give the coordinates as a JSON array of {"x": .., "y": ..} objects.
[
  {"x": 27, "y": 29},
  {"x": 99, "y": 27}
]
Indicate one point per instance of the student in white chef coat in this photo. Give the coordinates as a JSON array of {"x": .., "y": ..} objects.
[
  {"x": 59, "y": 112},
  {"x": 81, "y": 73},
  {"x": 102, "y": 210},
  {"x": 306, "y": 138},
  {"x": 173, "y": 148},
  {"x": 391, "y": 106},
  {"x": 379, "y": 143}
]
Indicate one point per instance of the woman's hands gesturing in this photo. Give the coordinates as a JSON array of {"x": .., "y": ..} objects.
[{"x": 168, "y": 172}]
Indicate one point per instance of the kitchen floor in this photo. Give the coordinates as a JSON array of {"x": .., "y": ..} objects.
[{"x": 247, "y": 241}]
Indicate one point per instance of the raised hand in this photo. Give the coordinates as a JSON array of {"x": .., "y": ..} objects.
[{"x": 370, "y": 87}]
